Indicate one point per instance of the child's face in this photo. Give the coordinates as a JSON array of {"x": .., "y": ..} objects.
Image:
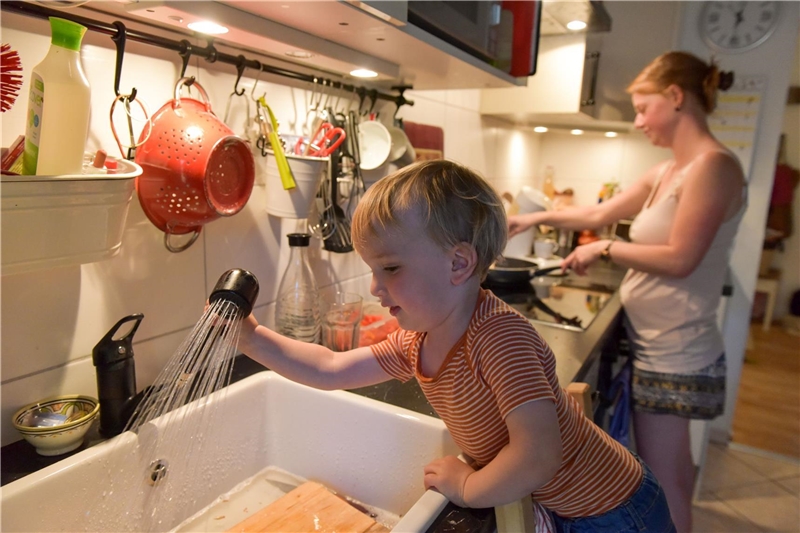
[{"x": 411, "y": 274}]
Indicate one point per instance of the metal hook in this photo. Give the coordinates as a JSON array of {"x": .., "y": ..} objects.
[
  {"x": 400, "y": 101},
  {"x": 362, "y": 93},
  {"x": 186, "y": 55},
  {"x": 373, "y": 96},
  {"x": 119, "y": 40},
  {"x": 240, "y": 66},
  {"x": 258, "y": 77}
]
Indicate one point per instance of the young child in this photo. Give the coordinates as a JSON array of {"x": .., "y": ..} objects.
[{"x": 429, "y": 233}]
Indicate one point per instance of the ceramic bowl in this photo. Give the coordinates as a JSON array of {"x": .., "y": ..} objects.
[{"x": 57, "y": 425}]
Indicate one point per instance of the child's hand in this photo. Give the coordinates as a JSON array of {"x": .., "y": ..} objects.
[
  {"x": 448, "y": 475},
  {"x": 247, "y": 333}
]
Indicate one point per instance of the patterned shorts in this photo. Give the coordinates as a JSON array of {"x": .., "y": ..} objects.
[{"x": 697, "y": 395}]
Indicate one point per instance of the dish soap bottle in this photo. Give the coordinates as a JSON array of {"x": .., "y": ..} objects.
[
  {"x": 297, "y": 313},
  {"x": 548, "y": 188},
  {"x": 58, "y": 106}
]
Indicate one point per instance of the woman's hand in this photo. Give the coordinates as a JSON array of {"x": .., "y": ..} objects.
[
  {"x": 519, "y": 223},
  {"x": 448, "y": 475},
  {"x": 583, "y": 256}
]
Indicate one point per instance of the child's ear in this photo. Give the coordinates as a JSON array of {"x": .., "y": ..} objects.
[{"x": 464, "y": 260}]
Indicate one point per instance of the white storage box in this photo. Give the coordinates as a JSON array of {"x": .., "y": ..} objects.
[{"x": 49, "y": 221}]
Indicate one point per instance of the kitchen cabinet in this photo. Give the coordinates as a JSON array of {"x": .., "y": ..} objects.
[{"x": 581, "y": 78}]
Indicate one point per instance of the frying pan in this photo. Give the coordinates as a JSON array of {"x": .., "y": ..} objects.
[{"x": 511, "y": 271}]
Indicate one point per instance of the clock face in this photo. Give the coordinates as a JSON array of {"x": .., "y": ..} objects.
[{"x": 737, "y": 26}]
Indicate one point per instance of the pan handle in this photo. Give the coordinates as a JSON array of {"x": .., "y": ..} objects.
[{"x": 544, "y": 271}]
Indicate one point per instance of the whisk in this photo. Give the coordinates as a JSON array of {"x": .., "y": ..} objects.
[{"x": 10, "y": 81}]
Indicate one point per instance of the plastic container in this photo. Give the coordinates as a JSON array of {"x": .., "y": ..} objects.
[
  {"x": 50, "y": 221},
  {"x": 296, "y": 202},
  {"x": 548, "y": 187},
  {"x": 297, "y": 313},
  {"x": 58, "y": 106}
]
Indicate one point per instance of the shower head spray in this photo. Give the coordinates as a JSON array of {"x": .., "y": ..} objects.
[{"x": 237, "y": 286}]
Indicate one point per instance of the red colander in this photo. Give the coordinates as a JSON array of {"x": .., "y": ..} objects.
[{"x": 194, "y": 169}]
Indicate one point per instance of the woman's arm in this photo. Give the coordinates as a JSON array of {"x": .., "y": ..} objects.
[
  {"x": 309, "y": 364},
  {"x": 712, "y": 192},
  {"x": 623, "y": 205},
  {"x": 530, "y": 459}
]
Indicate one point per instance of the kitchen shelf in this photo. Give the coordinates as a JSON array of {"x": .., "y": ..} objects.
[{"x": 51, "y": 221}]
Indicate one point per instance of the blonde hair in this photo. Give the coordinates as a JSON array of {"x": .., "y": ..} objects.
[
  {"x": 688, "y": 72},
  {"x": 456, "y": 203}
]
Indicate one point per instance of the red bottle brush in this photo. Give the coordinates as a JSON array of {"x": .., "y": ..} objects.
[{"x": 10, "y": 80}]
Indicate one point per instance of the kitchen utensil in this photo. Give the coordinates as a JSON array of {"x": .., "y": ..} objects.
[
  {"x": 375, "y": 143},
  {"x": 194, "y": 169},
  {"x": 325, "y": 140},
  {"x": 270, "y": 129},
  {"x": 511, "y": 270},
  {"x": 309, "y": 507},
  {"x": 339, "y": 240},
  {"x": 400, "y": 143}
]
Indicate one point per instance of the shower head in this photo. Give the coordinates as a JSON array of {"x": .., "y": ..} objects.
[{"x": 237, "y": 286}]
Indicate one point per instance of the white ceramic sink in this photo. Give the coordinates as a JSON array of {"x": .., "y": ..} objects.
[{"x": 365, "y": 449}]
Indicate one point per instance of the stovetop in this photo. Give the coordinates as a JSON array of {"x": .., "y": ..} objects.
[{"x": 567, "y": 303}]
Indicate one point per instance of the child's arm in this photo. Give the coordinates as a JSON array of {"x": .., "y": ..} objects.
[
  {"x": 530, "y": 459},
  {"x": 309, "y": 364}
]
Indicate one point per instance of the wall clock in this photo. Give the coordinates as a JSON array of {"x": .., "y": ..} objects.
[{"x": 737, "y": 26}]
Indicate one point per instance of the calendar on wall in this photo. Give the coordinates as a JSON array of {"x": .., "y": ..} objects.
[{"x": 735, "y": 120}]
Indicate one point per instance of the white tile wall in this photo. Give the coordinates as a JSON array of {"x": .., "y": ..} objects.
[{"x": 51, "y": 319}]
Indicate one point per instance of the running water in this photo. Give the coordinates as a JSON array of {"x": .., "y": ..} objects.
[{"x": 153, "y": 484}]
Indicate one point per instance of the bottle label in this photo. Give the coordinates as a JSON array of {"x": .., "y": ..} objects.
[{"x": 33, "y": 128}]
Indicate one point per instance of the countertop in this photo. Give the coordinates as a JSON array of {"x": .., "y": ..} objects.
[{"x": 575, "y": 353}]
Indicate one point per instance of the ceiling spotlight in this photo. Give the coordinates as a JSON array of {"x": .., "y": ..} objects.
[
  {"x": 208, "y": 27},
  {"x": 576, "y": 25},
  {"x": 363, "y": 73},
  {"x": 540, "y": 129},
  {"x": 611, "y": 134},
  {"x": 576, "y": 132}
]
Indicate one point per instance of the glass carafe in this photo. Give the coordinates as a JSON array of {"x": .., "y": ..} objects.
[{"x": 297, "y": 309}]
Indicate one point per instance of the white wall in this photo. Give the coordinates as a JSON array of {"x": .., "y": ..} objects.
[{"x": 51, "y": 319}]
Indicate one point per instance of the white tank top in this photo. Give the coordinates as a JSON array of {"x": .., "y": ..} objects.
[{"x": 672, "y": 322}]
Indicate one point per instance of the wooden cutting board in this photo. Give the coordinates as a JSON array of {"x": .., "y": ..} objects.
[{"x": 309, "y": 508}]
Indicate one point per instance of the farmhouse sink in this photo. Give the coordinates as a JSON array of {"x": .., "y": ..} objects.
[{"x": 361, "y": 448}]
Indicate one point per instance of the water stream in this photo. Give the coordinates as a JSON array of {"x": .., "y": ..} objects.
[{"x": 151, "y": 488}]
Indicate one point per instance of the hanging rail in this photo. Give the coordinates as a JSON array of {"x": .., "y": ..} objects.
[{"x": 184, "y": 48}]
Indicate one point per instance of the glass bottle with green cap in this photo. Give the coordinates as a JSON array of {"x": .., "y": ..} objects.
[{"x": 57, "y": 122}]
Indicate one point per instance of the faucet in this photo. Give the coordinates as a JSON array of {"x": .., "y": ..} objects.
[{"x": 116, "y": 377}]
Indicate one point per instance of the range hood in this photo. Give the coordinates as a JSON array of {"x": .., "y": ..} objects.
[{"x": 333, "y": 37}]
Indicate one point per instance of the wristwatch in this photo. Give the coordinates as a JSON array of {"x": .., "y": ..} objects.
[{"x": 605, "y": 255}]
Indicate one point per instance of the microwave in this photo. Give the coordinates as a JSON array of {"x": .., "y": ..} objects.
[{"x": 504, "y": 34}]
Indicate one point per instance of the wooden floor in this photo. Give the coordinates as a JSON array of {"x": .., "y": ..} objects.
[{"x": 767, "y": 413}]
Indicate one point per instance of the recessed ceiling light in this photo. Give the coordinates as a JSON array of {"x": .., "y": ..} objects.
[
  {"x": 540, "y": 129},
  {"x": 576, "y": 25},
  {"x": 206, "y": 26},
  {"x": 611, "y": 134},
  {"x": 576, "y": 132},
  {"x": 299, "y": 54},
  {"x": 363, "y": 73}
]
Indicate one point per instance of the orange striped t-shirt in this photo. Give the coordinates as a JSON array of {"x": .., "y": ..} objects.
[{"x": 500, "y": 363}]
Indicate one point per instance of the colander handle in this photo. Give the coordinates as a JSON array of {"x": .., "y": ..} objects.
[
  {"x": 181, "y": 248},
  {"x": 190, "y": 81}
]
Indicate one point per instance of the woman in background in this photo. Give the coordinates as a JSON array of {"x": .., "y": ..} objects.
[{"x": 687, "y": 211}]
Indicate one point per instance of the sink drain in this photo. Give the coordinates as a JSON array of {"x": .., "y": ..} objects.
[{"x": 158, "y": 471}]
